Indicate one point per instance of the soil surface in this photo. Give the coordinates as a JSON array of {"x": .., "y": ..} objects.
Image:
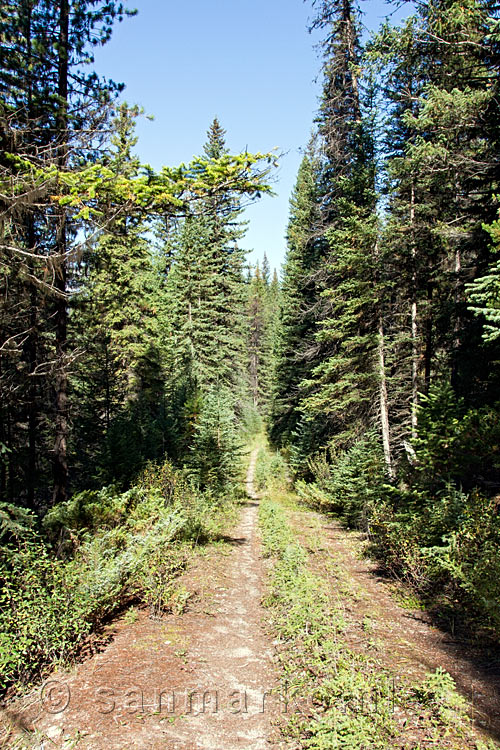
[
  {"x": 204, "y": 678},
  {"x": 199, "y": 680},
  {"x": 403, "y": 638}
]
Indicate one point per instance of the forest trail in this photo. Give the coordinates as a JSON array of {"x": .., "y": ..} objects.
[
  {"x": 206, "y": 678},
  {"x": 382, "y": 614},
  {"x": 383, "y": 621},
  {"x": 214, "y": 660}
]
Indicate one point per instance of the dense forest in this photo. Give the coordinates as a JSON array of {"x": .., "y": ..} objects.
[
  {"x": 140, "y": 349},
  {"x": 134, "y": 335},
  {"x": 387, "y": 383}
]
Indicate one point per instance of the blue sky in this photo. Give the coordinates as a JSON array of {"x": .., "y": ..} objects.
[{"x": 250, "y": 62}]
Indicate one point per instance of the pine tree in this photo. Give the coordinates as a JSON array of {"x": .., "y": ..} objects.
[
  {"x": 227, "y": 259},
  {"x": 59, "y": 194},
  {"x": 205, "y": 309},
  {"x": 47, "y": 98},
  {"x": 341, "y": 387},
  {"x": 191, "y": 296},
  {"x": 262, "y": 302},
  {"x": 215, "y": 445},
  {"x": 442, "y": 171},
  {"x": 266, "y": 271},
  {"x": 116, "y": 324},
  {"x": 484, "y": 292},
  {"x": 298, "y": 300},
  {"x": 206, "y": 287}
]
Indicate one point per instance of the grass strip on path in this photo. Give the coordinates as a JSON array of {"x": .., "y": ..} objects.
[{"x": 334, "y": 697}]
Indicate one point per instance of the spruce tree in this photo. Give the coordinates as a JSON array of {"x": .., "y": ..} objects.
[
  {"x": 120, "y": 374},
  {"x": 442, "y": 171},
  {"x": 207, "y": 287},
  {"x": 341, "y": 387},
  {"x": 299, "y": 299},
  {"x": 48, "y": 99},
  {"x": 484, "y": 292},
  {"x": 262, "y": 312},
  {"x": 205, "y": 295}
]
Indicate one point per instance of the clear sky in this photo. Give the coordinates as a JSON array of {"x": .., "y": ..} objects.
[{"x": 250, "y": 62}]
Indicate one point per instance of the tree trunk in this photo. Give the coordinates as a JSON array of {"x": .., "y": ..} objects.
[
  {"x": 32, "y": 347},
  {"x": 428, "y": 341},
  {"x": 4, "y": 410},
  {"x": 32, "y": 387},
  {"x": 107, "y": 385},
  {"x": 383, "y": 397},
  {"x": 347, "y": 19},
  {"x": 414, "y": 321},
  {"x": 456, "y": 320},
  {"x": 60, "y": 466},
  {"x": 384, "y": 404}
]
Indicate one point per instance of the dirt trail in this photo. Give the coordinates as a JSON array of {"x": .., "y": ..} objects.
[
  {"x": 404, "y": 639},
  {"x": 200, "y": 680},
  {"x": 214, "y": 660}
]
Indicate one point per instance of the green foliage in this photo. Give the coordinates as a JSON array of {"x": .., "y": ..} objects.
[
  {"x": 251, "y": 422},
  {"x": 484, "y": 292},
  {"x": 350, "y": 483},
  {"x": 157, "y": 582},
  {"x": 216, "y": 445},
  {"x": 327, "y": 376},
  {"x": 435, "y": 529},
  {"x": 124, "y": 547},
  {"x": 345, "y": 700},
  {"x": 455, "y": 443},
  {"x": 14, "y": 522},
  {"x": 300, "y": 597},
  {"x": 89, "y": 510},
  {"x": 271, "y": 470},
  {"x": 445, "y": 549},
  {"x": 438, "y": 432},
  {"x": 121, "y": 317},
  {"x": 343, "y": 382},
  {"x": 439, "y": 692},
  {"x": 465, "y": 564},
  {"x": 204, "y": 293},
  {"x": 262, "y": 310},
  {"x": 296, "y": 325}
]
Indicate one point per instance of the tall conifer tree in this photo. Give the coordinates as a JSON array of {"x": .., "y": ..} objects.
[
  {"x": 299, "y": 298},
  {"x": 341, "y": 388}
]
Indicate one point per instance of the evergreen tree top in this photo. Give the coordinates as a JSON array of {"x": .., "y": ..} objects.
[
  {"x": 266, "y": 271},
  {"x": 215, "y": 146}
]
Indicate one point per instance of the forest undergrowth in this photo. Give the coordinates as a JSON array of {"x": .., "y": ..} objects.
[
  {"x": 340, "y": 698},
  {"x": 93, "y": 556}
]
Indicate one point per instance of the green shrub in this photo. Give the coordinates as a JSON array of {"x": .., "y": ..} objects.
[
  {"x": 122, "y": 547},
  {"x": 350, "y": 700},
  {"x": 350, "y": 483},
  {"x": 270, "y": 470},
  {"x": 251, "y": 421},
  {"x": 15, "y": 521},
  {"x": 454, "y": 444},
  {"x": 435, "y": 527},
  {"x": 439, "y": 692},
  {"x": 87, "y": 511},
  {"x": 215, "y": 450},
  {"x": 449, "y": 552}
]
